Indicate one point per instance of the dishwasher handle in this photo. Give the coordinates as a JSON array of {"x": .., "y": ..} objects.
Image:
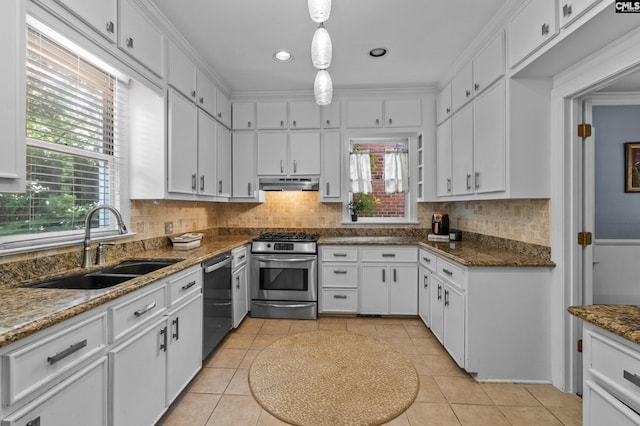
[{"x": 222, "y": 261}]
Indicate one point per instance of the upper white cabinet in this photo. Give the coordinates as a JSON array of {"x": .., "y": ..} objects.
[
  {"x": 278, "y": 156},
  {"x": 388, "y": 113},
  {"x": 331, "y": 115},
  {"x": 462, "y": 151},
  {"x": 331, "y": 176},
  {"x": 101, "y": 15},
  {"x": 207, "y": 147},
  {"x": 489, "y": 149},
  {"x": 272, "y": 154},
  {"x": 243, "y": 116},
  {"x": 304, "y": 153},
  {"x": 223, "y": 161},
  {"x": 304, "y": 115},
  {"x": 443, "y": 159},
  {"x": 569, "y": 10},
  {"x": 364, "y": 114},
  {"x": 140, "y": 38},
  {"x": 243, "y": 148},
  {"x": 183, "y": 145},
  {"x": 443, "y": 104},
  {"x": 223, "y": 109},
  {"x": 272, "y": 115},
  {"x": 533, "y": 26},
  {"x": 12, "y": 82},
  {"x": 182, "y": 72},
  {"x": 206, "y": 93},
  {"x": 462, "y": 87}
]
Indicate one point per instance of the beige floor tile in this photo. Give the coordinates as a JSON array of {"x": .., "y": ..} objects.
[
  {"x": 238, "y": 341},
  {"x": 190, "y": 409},
  {"x": 428, "y": 346},
  {"x": 401, "y": 344},
  {"x": 239, "y": 384},
  {"x": 303, "y": 326},
  {"x": 339, "y": 325},
  {"x": 462, "y": 390},
  {"x": 391, "y": 330},
  {"x": 235, "y": 410},
  {"x": 248, "y": 358},
  {"x": 250, "y": 325},
  {"x": 550, "y": 396},
  {"x": 266, "y": 419},
  {"x": 263, "y": 340},
  {"x": 226, "y": 358},
  {"x": 212, "y": 380},
  {"x": 429, "y": 390},
  {"x": 275, "y": 327},
  {"x": 418, "y": 330},
  {"x": 510, "y": 394},
  {"x": 527, "y": 416},
  {"x": 361, "y": 328},
  {"x": 419, "y": 364},
  {"x": 479, "y": 415},
  {"x": 569, "y": 416},
  {"x": 428, "y": 413},
  {"x": 401, "y": 420},
  {"x": 442, "y": 365}
]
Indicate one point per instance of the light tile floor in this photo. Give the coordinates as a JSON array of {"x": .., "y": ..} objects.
[{"x": 220, "y": 394}]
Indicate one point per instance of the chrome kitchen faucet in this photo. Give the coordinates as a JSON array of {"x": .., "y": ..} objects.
[{"x": 122, "y": 229}]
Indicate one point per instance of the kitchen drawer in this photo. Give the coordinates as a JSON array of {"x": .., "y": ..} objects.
[
  {"x": 339, "y": 253},
  {"x": 31, "y": 367},
  {"x": 183, "y": 284},
  {"x": 449, "y": 271},
  {"x": 238, "y": 257},
  {"x": 389, "y": 254},
  {"x": 616, "y": 364},
  {"x": 428, "y": 260},
  {"x": 340, "y": 275},
  {"x": 603, "y": 409},
  {"x": 126, "y": 316},
  {"x": 339, "y": 300}
]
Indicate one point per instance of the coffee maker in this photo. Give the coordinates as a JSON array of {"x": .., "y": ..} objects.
[{"x": 440, "y": 224}]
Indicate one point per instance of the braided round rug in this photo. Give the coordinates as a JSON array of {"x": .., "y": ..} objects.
[{"x": 333, "y": 378}]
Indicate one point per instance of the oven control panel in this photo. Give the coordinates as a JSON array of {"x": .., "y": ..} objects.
[{"x": 283, "y": 246}]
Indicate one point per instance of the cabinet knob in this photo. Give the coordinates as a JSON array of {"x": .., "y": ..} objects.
[
  {"x": 248, "y": 124},
  {"x": 219, "y": 115},
  {"x": 281, "y": 123},
  {"x": 201, "y": 100},
  {"x": 566, "y": 10},
  {"x": 110, "y": 27},
  {"x": 544, "y": 30},
  {"x": 467, "y": 93},
  {"x": 193, "y": 93},
  {"x": 130, "y": 42},
  {"x": 390, "y": 121},
  {"x": 328, "y": 123},
  {"x": 476, "y": 87},
  {"x": 448, "y": 110},
  {"x": 377, "y": 121},
  {"x": 294, "y": 123}
]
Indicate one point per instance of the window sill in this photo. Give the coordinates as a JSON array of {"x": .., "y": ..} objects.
[{"x": 26, "y": 246}]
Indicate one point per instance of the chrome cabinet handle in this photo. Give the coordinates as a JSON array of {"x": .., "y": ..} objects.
[
  {"x": 448, "y": 110},
  {"x": 544, "y": 30},
  {"x": 384, "y": 275},
  {"x": 339, "y": 296},
  {"x": 439, "y": 292},
  {"x": 426, "y": 281},
  {"x": 193, "y": 93},
  {"x": 249, "y": 188},
  {"x": 238, "y": 282},
  {"x": 476, "y": 87},
  {"x": 202, "y": 183},
  {"x": 220, "y": 186},
  {"x": 339, "y": 254},
  {"x": 448, "y": 184},
  {"x": 188, "y": 286},
  {"x": 446, "y": 298},
  {"x": 295, "y": 166},
  {"x": 52, "y": 359},
  {"x": 388, "y": 255},
  {"x": 341, "y": 272},
  {"x": 163, "y": 345},
  {"x": 281, "y": 166},
  {"x": 446, "y": 271},
  {"x": 477, "y": 180},
  {"x": 193, "y": 181},
  {"x": 467, "y": 93},
  {"x": 426, "y": 259},
  {"x": 130, "y": 42},
  {"x": 110, "y": 27},
  {"x": 328, "y": 191},
  {"x": 468, "y": 182},
  {"x": 566, "y": 10},
  {"x": 633, "y": 378},
  {"x": 176, "y": 323},
  {"x": 201, "y": 100},
  {"x": 395, "y": 275},
  {"x": 144, "y": 310}
]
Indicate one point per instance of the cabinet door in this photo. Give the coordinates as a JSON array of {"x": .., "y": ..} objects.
[
  {"x": 531, "y": 28},
  {"x": 331, "y": 115},
  {"x": 272, "y": 154},
  {"x": 101, "y": 15},
  {"x": 183, "y": 144},
  {"x": 462, "y": 87},
  {"x": 443, "y": 159},
  {"x": 243, "y": 150},
  {"x": 207, "y": 154},
  {"x": 462, "y": 151},
  {"x": 223, "y": 108},
  {"x": 454, "y": 323},
  {"x": 403, "y": 113},
  {"x": 304, "y": 153},
  {"x": 570, "y": 10},
  {"x": 184, "y": 355},
  {"x": 138, "y": 377},
  {"x": 206, "y": 93},
  {"x": 304, "y": 115},
  {"x": 139, "y": 37},
  {"x": 243, "y": 116},
  {"x": 424, "y": 295},
  {"x": 489, "y": 140},
  {"x": 182, "y": 72},
  {"x": 239, "y": 295},
  {"x": 223, "y": 159},
  {"x": 272, "y": 115},
  {"x": 443, "y": 107},
  {"x": 374, "y": 290},
  {"x": 364, "y": 114},
  {"x": 331, "y": 177},
  {"x": 437, "y": 307},
  {"x": 403, "y": 289},
  {"x": 488, "y": 65}
]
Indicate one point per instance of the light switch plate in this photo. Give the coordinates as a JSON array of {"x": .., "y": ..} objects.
[{"x": 168, "y": 227}]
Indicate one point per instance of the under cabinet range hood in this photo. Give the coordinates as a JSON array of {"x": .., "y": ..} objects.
[{"x": 289, "y": 184}]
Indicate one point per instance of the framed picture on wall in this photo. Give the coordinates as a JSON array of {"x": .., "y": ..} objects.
[{"x": 632, "y": 166}]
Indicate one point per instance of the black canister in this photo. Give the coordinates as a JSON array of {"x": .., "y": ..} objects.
[{"x": 440, "y": 224}]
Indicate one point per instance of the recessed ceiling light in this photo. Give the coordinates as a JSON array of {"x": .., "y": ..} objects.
[
  {"x": 282, "y": 56},
  {"x": 378, "y": 52}
]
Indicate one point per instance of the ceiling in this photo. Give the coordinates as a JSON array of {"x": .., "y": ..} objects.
[{"x": 237, "y": 39}]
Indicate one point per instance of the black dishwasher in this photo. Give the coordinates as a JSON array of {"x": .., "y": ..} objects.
[{"x": 217, "y": 305}]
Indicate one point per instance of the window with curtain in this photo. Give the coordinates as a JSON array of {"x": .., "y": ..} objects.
[{"x": 74, "y": 111}]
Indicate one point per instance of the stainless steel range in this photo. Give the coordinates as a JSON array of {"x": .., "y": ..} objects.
[{"x": 284, "y": 276}]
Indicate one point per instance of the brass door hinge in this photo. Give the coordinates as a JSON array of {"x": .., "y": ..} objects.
[
  {"x": 580, "y": 345},
  {"x": 584, "y": 130},
  {"x": 585, "y": 238}
]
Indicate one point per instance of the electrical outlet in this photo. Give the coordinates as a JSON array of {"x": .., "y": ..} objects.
[{"x": 168, "y": 227}]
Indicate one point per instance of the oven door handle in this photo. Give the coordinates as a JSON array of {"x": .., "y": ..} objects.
[
  {"x": 278, "y": 305},
  {"x": 282, "y": 259}
]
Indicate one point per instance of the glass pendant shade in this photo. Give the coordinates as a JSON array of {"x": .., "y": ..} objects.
[
  {"x": 319, "y": 10},
  {"x": 321, "y": 49},
  {"x": 323, "y": 88}
]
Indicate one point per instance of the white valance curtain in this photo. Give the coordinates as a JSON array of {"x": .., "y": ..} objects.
[
  {"x": 360, "y": 172},
  {"x": 396, "y": 177}
]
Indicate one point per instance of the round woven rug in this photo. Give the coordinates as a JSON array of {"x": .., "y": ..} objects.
[{"x": 333, "y": 378}]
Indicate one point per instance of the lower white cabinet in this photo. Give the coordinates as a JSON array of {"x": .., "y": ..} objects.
[
  {"x": 240, "y": 283},
  {"x": 425, "y": 269},
  {"x": 389, "y": 290},
  {"x": 454, "y": 325},
  {"x": 339, "y": 279}
]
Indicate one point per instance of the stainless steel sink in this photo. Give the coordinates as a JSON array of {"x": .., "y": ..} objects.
[{"x": 106, "y": 277}]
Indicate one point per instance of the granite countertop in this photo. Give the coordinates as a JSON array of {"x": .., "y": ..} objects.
[
  {"x": 467, "y": 253},
  {"x": 28, "y": 310},
  {"x": 623, "y": 320}
]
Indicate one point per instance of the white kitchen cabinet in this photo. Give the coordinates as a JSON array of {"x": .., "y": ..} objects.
[
  {"x": 489, "y": 150},
  {"x": 223, "y": 161},
  {"x": 140, "y": 38},
  {"x": 207, "y": 155},
  {"x": 223, "y": 109},
  {"x": 206, "y": 93},
  {"x": 570, "y": 10},
  {"x": 239, "y": 281},
  {"x": 331, "y": 115},
  {"x": 304, "y": 153},
  {"x": 271, "y": 115},
  {"x": 101, "y": 15},
  {"x": 338, "y": 277},
  {"x": 462, "y": 151},
  {"x": 427, "y": 265},
  {"x": 388, "y": 290},
  {"x": 183, "y": 145},
  {"x": 12, "y": 83},
  {"x": 403, "y": 113},
  {"x": 443, "y": 104},
  {"x": 530, "y": 28},
  {"x": 331, "y": 176},
  {"x": 364, "y": 113},
  {"x": 462, "y": 87},
  {"x": 181, "y": 72},
  {"x": 272, "y": 154},
  {"x": 443, "y": 159},
  {"x": 243, "y": 154},
  {"x": 243, "y": 116},
  {"x": 454, "y": 322},
  {"x": 304, "y": 115},
  {"x": 436, "y": 307}
]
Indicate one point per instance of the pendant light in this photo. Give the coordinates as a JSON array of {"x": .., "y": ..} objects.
[
  {"x": 323, "y": 88},
  {"x": 319, "y": 10},
  {"x": 321, "y": 48}
]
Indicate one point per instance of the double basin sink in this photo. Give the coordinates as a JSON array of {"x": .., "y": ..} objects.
[{"x": 106, "y": 277}]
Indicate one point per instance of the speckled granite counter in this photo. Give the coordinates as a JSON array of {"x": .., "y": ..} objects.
[
  {"x": 467, "y": 253},
  {"x": 623, "y": 320},
  {"x": 27, "y": 310}
]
